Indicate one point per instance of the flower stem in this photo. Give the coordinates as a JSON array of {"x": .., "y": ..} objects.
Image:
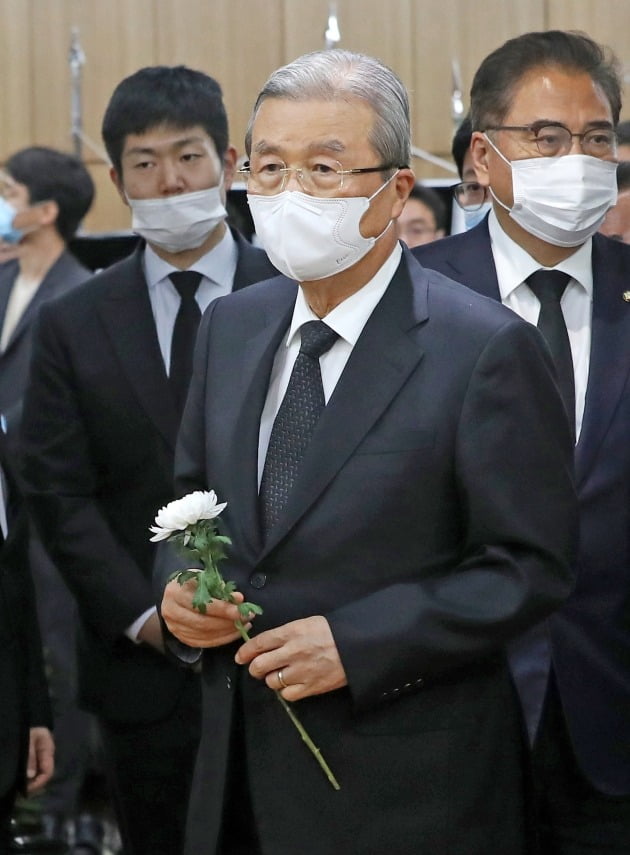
[{"x": 317, "y": 754}]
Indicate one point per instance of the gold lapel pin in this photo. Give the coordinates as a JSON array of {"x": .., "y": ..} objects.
[{"x": 626, "y": 296}]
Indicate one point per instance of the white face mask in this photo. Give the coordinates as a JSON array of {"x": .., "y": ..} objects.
[
  {"x": 562, "y": 200},
  {"x": 181, "y": 222},
  {"x": 473, "y": 218},
  {"x": 309, "y": 238}
]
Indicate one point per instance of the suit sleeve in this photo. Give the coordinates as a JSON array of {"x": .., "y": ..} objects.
[
  {"x": 513, "y": 464},
  {"x": 61, "y": 484}
]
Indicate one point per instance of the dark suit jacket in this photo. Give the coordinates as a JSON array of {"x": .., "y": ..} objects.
[
  {"x": 415, "y": 527},
  {"x": 590, "y": 634},
  {"x": 99, "y": 433},
  {"x": 23, "y": 692},
  {"x": 65, "y": 274}
]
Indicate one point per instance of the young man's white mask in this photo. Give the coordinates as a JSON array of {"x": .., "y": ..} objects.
[{"x": 180, "y": 222}]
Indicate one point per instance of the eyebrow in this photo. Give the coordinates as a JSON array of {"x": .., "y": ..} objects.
[
  {"x": 333, "y": 145},
  {"x": 178, "y": 144},
  {"x": 596, "y": 123}
]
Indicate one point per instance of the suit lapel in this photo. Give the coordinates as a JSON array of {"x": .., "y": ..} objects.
[
  {"x": 8, "y": 274},
  {"x": 45, "y": 292},
  {"x": 249, "y": 393},
  {"x": 471, "y": 261},
  {"x": 252, "y": 265},
  {"x": 126, "y": 314},
  {"x": 387, "y": 354},
  {"x": 609, "y": 364}
]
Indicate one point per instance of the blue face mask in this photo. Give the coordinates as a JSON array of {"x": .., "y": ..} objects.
[
  {"x": 7, "y": 215},
  {"x": 473, "y": 218}
]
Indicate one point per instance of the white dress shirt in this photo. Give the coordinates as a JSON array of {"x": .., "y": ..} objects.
[
  {"x": 23, "y": 290},
  {"x": 514, "y": 265},
  {"x": 217, "y": 268},
  {"x": 347, "y": 320}
]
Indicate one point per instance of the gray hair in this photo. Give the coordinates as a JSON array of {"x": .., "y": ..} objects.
[{"x": 330, "y": 74}]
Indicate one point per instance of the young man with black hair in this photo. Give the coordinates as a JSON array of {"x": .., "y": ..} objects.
[
  {"x": 111, "y": 370},
  {"x": 45, "y": 195},
  {"x": 423, "y": 219},
  {"x": 544, "y": 110}
]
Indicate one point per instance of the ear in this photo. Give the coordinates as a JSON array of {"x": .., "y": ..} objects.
[
  {"x": 48, "y": 212},
  {"x": 403, "y": 185},
  {"x": 118, "y": 184},
  {"x": 229, "y": 166},
  {"x": 480, "y": 151}
]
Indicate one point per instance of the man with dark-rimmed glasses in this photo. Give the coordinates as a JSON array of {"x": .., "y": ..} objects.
[{"x": 544, "y": 109}]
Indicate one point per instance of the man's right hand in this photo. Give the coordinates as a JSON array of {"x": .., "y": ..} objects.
[{"x": 212, "y": 629}]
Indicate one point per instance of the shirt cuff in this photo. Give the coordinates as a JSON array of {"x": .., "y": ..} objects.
[{"x": 132, "y": 631}]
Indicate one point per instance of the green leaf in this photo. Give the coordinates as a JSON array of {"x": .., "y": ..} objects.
[{"x": 249, "y": 608}]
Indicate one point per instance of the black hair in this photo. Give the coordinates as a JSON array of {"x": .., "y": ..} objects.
[
  {"x": 49, "y": 174},
  {"x": 432, "y": 199},
  {"x": 461, "y": 143},
  {"x": 162, "y": 95},
  {"x": 501, "y": 71},
  {"x": 623, "y": 175},
  {"x": 623, "y": 132}
]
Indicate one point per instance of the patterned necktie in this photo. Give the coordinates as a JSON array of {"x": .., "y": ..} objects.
[
  {"x": 184, "y": 334},
  {"x": 294, "y": 425},
  {"x": 549, "y": 286}
]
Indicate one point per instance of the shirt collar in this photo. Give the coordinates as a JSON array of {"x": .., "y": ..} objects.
[
  {"x": 351, "y": 315},
  {"x": 217, "y": 265},
  {"x": 514, "y": 264}
]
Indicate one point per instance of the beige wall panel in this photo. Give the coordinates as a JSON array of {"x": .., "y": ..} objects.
[
  {"x": 16, "y": 75},
  {"x": 117, "y": 37},
  {"x": 465, "y": 31},
  {"x": 239, "y": 42},
  {"x": 367, "y": 26},
  {"x": 606, "y": 21},
  {"x": 108, "y": 213}
]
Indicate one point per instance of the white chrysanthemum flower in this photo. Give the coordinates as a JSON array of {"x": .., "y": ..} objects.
[{"x": 184, "y": 512}]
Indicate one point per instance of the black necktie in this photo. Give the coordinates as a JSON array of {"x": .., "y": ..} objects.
[
  {"x": 294, "y": 425},
  {"x": 184, "y": 334},
  {"x": 549, "y": 286}
]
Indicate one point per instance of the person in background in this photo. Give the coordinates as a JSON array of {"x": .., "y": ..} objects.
[
  {"x": 423, "y": 218},
  {"x": 370, "y": 426},
  {"x": 544, "y": 109},
  {"x": 26, "y": 743},
  {"x": 468, "y": 194},
  {"x": 110, "y": 373},
  {"x": 623, "y": 141},
  {"x": 617, "y": 222},
  {"x": 45, "y": 196}
]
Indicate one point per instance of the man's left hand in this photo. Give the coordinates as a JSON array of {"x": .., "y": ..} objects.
[
  {"x": 305, "y": 653},
  {"x": 40, "y": 764}
]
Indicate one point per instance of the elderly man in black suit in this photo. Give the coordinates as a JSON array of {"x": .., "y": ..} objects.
[
  {"x": 111, "y": 368},
  {"x": 366, "y": 421}
]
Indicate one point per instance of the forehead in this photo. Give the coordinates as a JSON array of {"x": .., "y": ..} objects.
[
  {"x": 295, "y": 128},
  {"x": 9, "y": 186},
  {"x": 557, "y": 94},
  {"x": 164, "y": 138}
]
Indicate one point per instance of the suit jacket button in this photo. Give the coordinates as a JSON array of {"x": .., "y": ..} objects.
[{"x": 258, "y": 580}]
